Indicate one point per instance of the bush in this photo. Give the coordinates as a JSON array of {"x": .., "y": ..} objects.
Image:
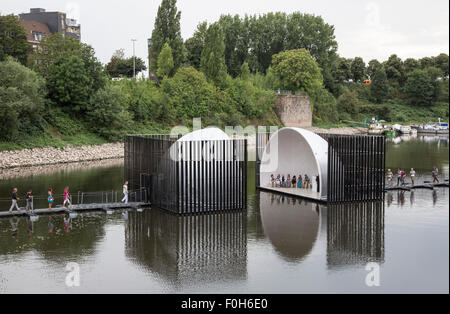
[
  {"x": 324, "y": 107},
  {"x": 189, "y": 93},
  {"x": 348, "y": 105},
  {"x": 383, "y": 112},
  {"x": 142, "y": 99},
  {"x": 253, "y": 102},
  {"x": 107, "y": 115}
]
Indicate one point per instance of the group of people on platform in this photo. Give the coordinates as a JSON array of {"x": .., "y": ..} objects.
[
  {"x": 67, "y": 199},
  {"x": 294, "y": 182},
  {"x": 401, "y": 176}
]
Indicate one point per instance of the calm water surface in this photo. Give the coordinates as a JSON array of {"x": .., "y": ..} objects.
[{"x": 280, "y": 245}]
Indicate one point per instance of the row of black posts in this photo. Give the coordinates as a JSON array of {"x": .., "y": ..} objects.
[{"x": 188, "y": 177}]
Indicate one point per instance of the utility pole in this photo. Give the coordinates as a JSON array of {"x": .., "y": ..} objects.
[{"x": 134, "y": 58}]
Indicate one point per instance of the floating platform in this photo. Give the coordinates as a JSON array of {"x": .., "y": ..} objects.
[
  {"x": 410, "y": 187},
  {"x": 106, "y": 207},
  {"x": 308, "y": 194}
]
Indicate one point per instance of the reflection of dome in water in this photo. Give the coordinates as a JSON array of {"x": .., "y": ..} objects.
[{"x": 292, "y": 227}]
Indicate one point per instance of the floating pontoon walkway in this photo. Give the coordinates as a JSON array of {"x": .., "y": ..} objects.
[
  {"x": 106, "y": 207},
  {"x": 410, "y": 187}
]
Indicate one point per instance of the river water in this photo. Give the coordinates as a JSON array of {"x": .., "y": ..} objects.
[{"x": 280, "y": 245}]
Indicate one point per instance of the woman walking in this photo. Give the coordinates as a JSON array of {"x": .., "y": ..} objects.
[{"x": 66, "y": 198}]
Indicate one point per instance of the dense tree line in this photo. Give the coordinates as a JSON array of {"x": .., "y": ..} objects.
[{"x": 227, "y": 73}]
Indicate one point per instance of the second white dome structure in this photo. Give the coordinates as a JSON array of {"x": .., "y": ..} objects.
[
  {"x": 300, "y": 153},
  {"x": 332, "y": 168}
]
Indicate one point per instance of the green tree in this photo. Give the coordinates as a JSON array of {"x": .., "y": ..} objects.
[
  {"x": 22, "y": 94},
  {"x": 107, "y": 115},
  {"x": 442, "y": 63},
  {"x": 372, "y": 67},
  {"x": 411, "y": 65},
  {"x": 68, "y": 83},
  {"x": 426, "y": 62},
  {"x": 13, "y": 39},
  {"x": 119, "y": 66},
  {"x": 167, "y": 30},
  {"x": 312, "y": 33},
  {"x": 342, "y": 72},
  {"x": 245, "y": 71},
  {"x": 420, "y": 88},
  {"x": 55, "y": 46},
  {"x": 379, "y": 89},
  {"x": 395, "y": 70},
  {"x": 297, "y": 71},
  {"x": 237, "y": 40},
  {"x": 212, "y": 63},
  {"x": 165, "y": 62},
  {"x": 358, "y": 69},
  {"x": 267, "y": 37},
  {"x": 194, "y": 45}
]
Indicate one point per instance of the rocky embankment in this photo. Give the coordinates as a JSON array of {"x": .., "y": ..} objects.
[
  {"x": 343, "y": 131},
  {"x": 71, "y": 154},
  {"x": 50, "y": 155}
]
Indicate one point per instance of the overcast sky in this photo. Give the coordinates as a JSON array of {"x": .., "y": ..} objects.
[{"x": 370, "y": 29}]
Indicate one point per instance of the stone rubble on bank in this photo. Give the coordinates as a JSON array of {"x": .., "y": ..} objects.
[
  {"x": 51, "y": 155},
  {"x": 71, "y": 154}
]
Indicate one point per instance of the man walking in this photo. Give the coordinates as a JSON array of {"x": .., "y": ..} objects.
[
  {"x": 125, "y": 193},
  {"x": 435, "y": 174},
  {"x": 412, "y": 173},
  {"x": 14, "y": 200}
]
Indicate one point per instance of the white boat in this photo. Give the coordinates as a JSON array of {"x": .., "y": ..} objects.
[
  {"x": 405, "y": 129},
  {"x": 433, "y": 128}
]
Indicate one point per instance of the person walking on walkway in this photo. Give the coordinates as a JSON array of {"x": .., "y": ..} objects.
[
  {"x": 435, "y": 174},
  {"x": 412, "y": 173},
  {"x": 125, "y": 193},
  {"x": 403, "y": 179},
  {"x": 66, "y": 197},
  {"x": 30, "y": 206},
  {"x": 50, "y": 199},
  {"x": 14, "y": 198},
  {"x": 399, "y": 176},
  {"x": 390, "y": 176}
]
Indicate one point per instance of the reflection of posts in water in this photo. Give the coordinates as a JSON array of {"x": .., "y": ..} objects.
[
  {"x": 187, "y": 249},
  {"x": 355, "y": 234}
]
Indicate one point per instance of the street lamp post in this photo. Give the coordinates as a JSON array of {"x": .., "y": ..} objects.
[{"x": 134, "y": 58}]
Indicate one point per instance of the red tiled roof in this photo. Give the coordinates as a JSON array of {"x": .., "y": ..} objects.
[{"x": 33, "y": 26}]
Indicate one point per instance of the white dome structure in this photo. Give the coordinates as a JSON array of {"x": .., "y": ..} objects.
[
  {"x": 295, "y": 151},
  {"x": 208, "y": 134}
]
